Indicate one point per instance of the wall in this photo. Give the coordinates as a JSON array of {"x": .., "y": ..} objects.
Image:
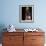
[{"x": 9, "y": 13}]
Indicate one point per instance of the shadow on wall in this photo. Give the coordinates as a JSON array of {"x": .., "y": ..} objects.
[{"x": 2, "y": 27}]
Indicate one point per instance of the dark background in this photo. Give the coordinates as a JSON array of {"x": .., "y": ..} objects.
[{"x": 23, "y": 12}]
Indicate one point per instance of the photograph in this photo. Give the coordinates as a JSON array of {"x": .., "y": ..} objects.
[{"x": 26, "y": 13}]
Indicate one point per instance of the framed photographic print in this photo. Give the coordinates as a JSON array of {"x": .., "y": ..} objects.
[{"x": 26, "y": 13}]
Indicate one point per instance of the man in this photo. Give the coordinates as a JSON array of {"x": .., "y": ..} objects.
[{"x": 28, "y": 14}]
